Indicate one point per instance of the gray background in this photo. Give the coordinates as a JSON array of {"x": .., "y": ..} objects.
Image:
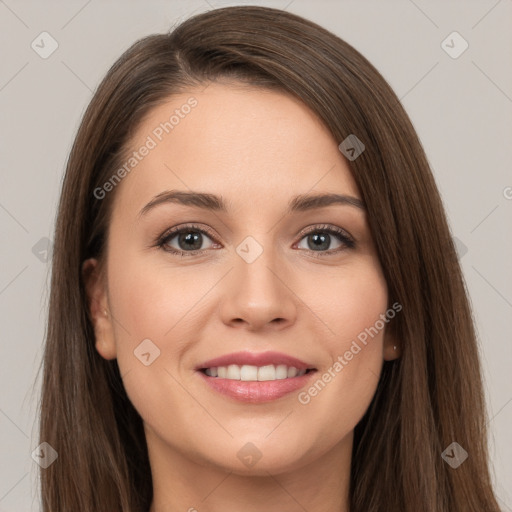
[{"x": 461, "y": 108}]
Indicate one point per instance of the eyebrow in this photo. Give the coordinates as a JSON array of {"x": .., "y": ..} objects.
[{"x": 216, "y": 203}]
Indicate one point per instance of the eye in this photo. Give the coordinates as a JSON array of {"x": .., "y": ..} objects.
[
  {"x": 320, "y": 237},
  {"x": 189, "y": 240}
]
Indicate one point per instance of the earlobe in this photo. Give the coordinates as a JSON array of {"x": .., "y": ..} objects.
[
  {"x": 97, "y": 305},
  {"x": 105, "y": 347}
]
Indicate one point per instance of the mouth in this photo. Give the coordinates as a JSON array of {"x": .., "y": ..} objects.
[{"x": 255, "y": 377}]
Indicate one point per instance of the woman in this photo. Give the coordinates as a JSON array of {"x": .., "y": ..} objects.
[{"x": 256, "y": 303}]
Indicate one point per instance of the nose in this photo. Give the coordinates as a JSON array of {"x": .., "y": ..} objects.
[{"x": 258, "y": 295}]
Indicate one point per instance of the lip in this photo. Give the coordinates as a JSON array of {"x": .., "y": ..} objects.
[
  {"x": 256, "y": 359},
  {"x": 256, "y": 391}
]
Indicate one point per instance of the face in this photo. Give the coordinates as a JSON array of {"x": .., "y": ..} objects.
[{"x": 289, "y": 292}]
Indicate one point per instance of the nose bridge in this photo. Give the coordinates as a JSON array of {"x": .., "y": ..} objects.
[
  {"x": 257, "y": 293},
  {"x": 255, "y": 266}
]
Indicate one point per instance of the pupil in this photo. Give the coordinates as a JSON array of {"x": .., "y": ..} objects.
[
  {"x": 190, "y": 240},
  {"x": 318, "y": 241}
]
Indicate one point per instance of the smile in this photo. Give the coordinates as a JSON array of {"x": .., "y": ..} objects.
[{"x": 255, "y": 377}]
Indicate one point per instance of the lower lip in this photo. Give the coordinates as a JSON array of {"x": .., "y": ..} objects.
[{"x": 256, "y": 391}]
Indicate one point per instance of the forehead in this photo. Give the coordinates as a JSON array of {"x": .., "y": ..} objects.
[{"x": 249, "y": 144}]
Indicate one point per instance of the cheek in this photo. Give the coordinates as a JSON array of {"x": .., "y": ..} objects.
[
  {"x": 361, "y": 329},
  {"x": 151, "y": 307},
  {"x": 151, "y": 299},
  {"x": 162, "y": 303},
  {"x": 343, "y": 389},
  {"x": 351, "y": 302}
]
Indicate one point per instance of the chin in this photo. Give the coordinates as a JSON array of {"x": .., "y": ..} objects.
[{"x": 260, "y": 456}]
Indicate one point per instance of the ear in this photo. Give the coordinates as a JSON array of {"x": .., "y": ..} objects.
[
  {"x": 98, "y": 308},
  {"x": 391, "y": 348}
]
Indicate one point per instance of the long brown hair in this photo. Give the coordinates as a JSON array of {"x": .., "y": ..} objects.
[{"x": 430, "y": 397}]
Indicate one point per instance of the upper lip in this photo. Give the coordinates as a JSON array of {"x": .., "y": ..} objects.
[{"x": 255, "y": 359}]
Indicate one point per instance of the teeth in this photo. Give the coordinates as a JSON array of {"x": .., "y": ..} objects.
[
  {"x": 254, "y": 373},
  {"x": 233, "y": 372},
  {"x": 267, "y": 372},
  {"x": 248, "y": 372},
  {"x": 292, "y": 371},
  {"x": 281, "y": 371}
]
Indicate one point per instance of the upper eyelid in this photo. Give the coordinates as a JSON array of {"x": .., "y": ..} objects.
[
  {"x": 175, "y": 231},
  {"x": 324, "y": 227}
]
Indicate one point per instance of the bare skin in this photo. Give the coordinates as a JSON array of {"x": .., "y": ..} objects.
[{"x": 257, "y": 150}]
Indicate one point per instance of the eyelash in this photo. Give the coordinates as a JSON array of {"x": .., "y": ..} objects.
[{"x": 338, "y": 232}]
